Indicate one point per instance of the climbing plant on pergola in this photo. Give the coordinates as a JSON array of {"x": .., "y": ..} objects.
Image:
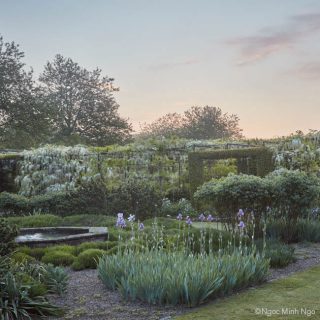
[{"x": 255, "y": 161}]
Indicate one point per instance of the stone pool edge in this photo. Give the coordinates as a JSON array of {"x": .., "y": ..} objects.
[{"x": 90, "y": 234}]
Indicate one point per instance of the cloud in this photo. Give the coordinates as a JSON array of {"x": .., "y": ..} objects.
[
  {"x": 270, "y": 41},
  {"x": 170, "y": 65},
  {"x": 308, "y": 71}
]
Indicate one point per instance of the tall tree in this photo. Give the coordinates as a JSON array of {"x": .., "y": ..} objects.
[
  {"x": 170, "y": 124},
  {"x": 23, "y": 118},
  {"x": 196, "y": 123},
  {"x": 210, "y": 123},
  {"x": 82, "y": 103}
]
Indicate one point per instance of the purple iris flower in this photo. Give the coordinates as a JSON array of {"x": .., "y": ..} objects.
[
  {"x": 240, "y": 213},
  {"x": 210, "y": 218},
  {"x": 121, "y": 222},
  {"x": 202, "y": 217},
  {"x": 141, "y": 226},
  {"x": 179, "y": 217},
  {"x": 241, "y": 225},
  {"x": 188, "y": 221}
]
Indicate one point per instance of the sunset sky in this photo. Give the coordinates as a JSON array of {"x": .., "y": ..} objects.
[{"x": 257, "y": 59}]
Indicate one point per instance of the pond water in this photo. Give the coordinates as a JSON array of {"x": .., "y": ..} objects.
[{"x": 52, "y": 235}]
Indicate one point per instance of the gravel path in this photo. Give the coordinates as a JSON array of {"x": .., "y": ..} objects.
[
  {"x": 88, "y": 299},
  {"x": 308, "y": 255}
]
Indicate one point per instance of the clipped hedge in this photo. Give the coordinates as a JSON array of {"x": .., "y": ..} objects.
[
  {"x": 58, "y": 258},
  {"x": 134, "y": 197},
  {"x": 87, "y": 259}
]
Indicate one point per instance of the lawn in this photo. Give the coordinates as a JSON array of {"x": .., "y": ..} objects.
[{"x": 289, "y": 298}]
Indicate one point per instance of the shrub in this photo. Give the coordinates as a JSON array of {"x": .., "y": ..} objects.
[
  {"x": 13, "y": 204},
  {"x": 183, "y": 206},
  {"x": 58, "y": 258},
  {"x": 62, "y": 248},
  {"x": 134, "y": 197},
  {"x": 8, "y": 233},
  {"x": 36, "y": 253},
  {"x": 90, "y": 198},
  {"x": 21, "y": 257},
  {"x": 294, "y": 193},
  {"x": 228, "y": 195},
  {"x": 88, "y": 220},
  {"x": 153, "y": 276},
  {"x": 87, "y": 259},
  {"x": 103, "y": 245}
]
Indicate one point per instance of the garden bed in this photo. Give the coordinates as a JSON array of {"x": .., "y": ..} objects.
[{"x": 88, "y": 299}]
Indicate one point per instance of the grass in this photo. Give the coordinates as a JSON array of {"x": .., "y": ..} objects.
[
  {"x": 210, "y": 225},
  {"x": 297, "y": 293}
]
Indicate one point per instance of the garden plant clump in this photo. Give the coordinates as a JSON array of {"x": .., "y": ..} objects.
[
  {"x": 177, "y": 274},
  {"x": 24, "y": 283}
]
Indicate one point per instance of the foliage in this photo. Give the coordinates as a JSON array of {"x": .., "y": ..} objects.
[
  {"x": 82, "y": 104},
  {"x": 298, "y": 152},
  {"x": 16, "y": 302},
  {"x": 55, "y": 279},
  {"x": 89, "y": 198},
  {"x": 102, "y": 245},
  {"x": 22, "y": 291},
  {"x": 219, "y": 168},
  {"x": 21, "y": 109},
  {"x": 58, "y": 258},
  {"x": 36, "y": 253},
  {"x": 21, "y": 257},
  {"x": 228, "y": 194},
  {"x": 303, "y": 230},
  {"x": 299, "y": 289},
  {"x": 8, "y": 233},
  {"x": 87, "y": 259},
  {"x": 183, "y": 206},
  {"x": 196, "y": 123},
  {"x": 153, "y": 276},
  {"x": 52, "y": 169},
  {"x": 255, "y": 161},
  {"x": 134, "y": 197},
  {"x": 279, "y": 254},
  {"x": 294, "y": 193},
  {"x": 49, "y": 220}
]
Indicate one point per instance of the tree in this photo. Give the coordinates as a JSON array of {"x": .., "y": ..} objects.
[
  {"x": 210, "y": 123},
  {"x": 23, "y": 118},
  {"x": 196, "y": 123},
  {"x": 82, "y": 103},
  {"x": 168, "y": 125}
]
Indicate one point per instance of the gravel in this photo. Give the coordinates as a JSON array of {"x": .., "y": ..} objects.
[{"x": 88, "y": 299}]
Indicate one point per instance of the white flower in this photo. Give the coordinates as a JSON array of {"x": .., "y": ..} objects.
[{"x": 131, "y": 218}]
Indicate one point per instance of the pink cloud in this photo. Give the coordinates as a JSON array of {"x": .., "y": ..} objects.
[{"x": 270, "y": 41}]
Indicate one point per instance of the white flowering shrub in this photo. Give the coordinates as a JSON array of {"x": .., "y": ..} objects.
[{"x": 52, "y": 169}]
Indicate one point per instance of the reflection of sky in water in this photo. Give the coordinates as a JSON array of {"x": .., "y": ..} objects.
[{"x": 41, "y": 236}]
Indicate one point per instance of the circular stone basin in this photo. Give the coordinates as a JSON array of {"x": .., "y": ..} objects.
[{"x": 42, "y": 237}]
